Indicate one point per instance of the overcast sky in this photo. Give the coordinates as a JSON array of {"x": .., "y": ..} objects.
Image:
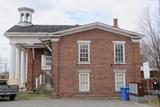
[{"x": 72, "y": 12}]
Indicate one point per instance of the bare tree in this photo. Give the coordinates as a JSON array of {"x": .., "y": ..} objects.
[{"x": 150, "y": 26}]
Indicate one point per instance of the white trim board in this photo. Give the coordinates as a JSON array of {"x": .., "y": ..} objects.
[{"x": 29, "y": 34}]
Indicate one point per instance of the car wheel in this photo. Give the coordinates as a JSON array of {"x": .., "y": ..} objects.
[{"x": 12, "y": 97}]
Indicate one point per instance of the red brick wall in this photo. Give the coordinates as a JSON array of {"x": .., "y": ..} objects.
[
  {"x": 102, "y": 57},
  {"x": 34, "y": 66},
  {"x": 30, "y": 70},
  {"x": 55, "y": 67}
]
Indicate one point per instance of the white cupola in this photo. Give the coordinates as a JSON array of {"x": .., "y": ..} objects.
[{"x": 25, "y": 16}]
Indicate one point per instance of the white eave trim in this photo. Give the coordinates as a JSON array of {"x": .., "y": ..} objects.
[
  {"x": 135, "y": 40},
  {"x": 99, "y": 26},
  {"x": 25, "y": 33},
  {"x": 29, "y": 34},
  {"x": 55, "y": 39}
]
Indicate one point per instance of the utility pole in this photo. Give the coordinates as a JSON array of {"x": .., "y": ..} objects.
[{"x": 159, "y": 7}]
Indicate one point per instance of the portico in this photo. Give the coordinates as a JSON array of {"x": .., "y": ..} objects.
[
  {"x": 31, "y": 50},
  {"x": 29, "y": 64},
  {"x": 30, "y": 59},
  {"x": 18, "y": 64}
]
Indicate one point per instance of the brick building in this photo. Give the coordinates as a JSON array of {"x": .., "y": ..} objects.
[{"x": 82, "y": 60}]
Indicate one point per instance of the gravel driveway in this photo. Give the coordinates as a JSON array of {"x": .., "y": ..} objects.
[{"x": 70, "y": 103}]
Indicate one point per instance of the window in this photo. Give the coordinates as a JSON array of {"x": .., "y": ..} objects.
[
  {"x": 119, "y": 52},
  {"x": 22, "y": 17},
  {"x": 46, "y": 62},
  {"x": 84, "y": 82},
  {"x": 84, "y": 52},
  {"x": 27, "y": 17},
  {"x": 119, "y": 81}
]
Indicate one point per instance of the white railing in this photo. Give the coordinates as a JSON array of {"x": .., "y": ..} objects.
[{"x": 46, "y": 62}]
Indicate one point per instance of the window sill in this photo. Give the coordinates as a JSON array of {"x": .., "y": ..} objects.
[
  {"x": 123, "y": 63},
  {"x": 83, "y": 62},
  {"x": 84, "y": 91},
  {"x": 117, "y": 91},
  {"x": 46, "y": 68}
]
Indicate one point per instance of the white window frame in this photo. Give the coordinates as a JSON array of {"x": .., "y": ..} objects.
[
  {"x": 85, "y": 42},
  {"x": 84, "y": 72},
  {"x": 123, "y": 44},
  {"x": 44, "y": 65},
  {"x": 124, "y": 79}
]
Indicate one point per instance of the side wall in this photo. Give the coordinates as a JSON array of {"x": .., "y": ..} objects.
[{"x": 102, "y": 80}]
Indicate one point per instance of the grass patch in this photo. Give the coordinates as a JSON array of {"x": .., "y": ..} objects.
[
  {"x": 31, "y": 95},
  {"x": 153, "y": 101}
]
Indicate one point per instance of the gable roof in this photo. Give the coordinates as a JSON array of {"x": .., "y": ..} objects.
[
  {"x": 41, "y": 28},
  {"x": 101, "y": 26}
]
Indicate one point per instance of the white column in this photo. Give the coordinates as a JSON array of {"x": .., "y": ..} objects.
[
  {"x": 25, "y": 17},
  {"x": 26, "y": 66},
  {"x": 18, "y": 64},
  {"x": 20, "y": 18},
  {"x": 30, "y": 18},
  {"x": 22, "y": 72},
  {"x": 12, "y": 62}
]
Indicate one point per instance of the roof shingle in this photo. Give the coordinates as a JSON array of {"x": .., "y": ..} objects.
[{"x": 41, "y": 28}]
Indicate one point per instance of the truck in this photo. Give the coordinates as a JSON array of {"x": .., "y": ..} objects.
[{"x": 8, "y": 91}]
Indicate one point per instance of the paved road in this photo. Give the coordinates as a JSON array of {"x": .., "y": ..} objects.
[{"x": 70, "y": 103}]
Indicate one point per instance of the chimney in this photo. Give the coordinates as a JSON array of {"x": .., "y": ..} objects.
[{"x": 115, "y": 22}]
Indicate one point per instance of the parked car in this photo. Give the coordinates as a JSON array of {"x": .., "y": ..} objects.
[{"x": 8, "y": 91}]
